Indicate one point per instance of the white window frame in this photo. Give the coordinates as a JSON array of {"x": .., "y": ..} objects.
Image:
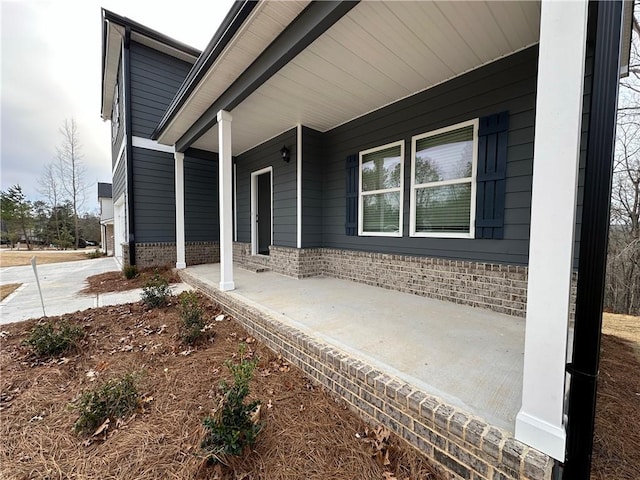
[
  {"x": 115, "y": 114},
  {"x": 361, "y": 232},
  {"x": 474, "y": 168}
]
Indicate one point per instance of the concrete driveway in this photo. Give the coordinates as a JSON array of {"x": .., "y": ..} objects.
[{"x": 61, "y": 284}]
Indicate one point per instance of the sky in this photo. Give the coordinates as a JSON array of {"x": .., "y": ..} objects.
[{"x": 50, "y": 63}]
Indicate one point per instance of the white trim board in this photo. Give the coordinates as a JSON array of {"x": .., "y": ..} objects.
[
  {"x": 147, "y": 143},
  {"x": 254, "y": 206}
]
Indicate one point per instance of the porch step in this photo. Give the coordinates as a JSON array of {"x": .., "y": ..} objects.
[{"x": 255, "y": 268}]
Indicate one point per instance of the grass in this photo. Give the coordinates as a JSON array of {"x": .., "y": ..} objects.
[
  {"x": 17, "y": 258},
  {"x": 7, "y": 289},
  {"x": 623, "y": 326}
]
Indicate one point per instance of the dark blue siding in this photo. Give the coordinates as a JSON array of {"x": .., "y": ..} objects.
[
  {"x": 120, "y": 178},
  {"x": 505, "y": 85},
  {"x": 311, "y": 188},
  {"x": 154, "y": 196},
  {"x": 155, "y": 79},
  {"x": 284, "y": 188},
  {"x": 201, "y": 197}
]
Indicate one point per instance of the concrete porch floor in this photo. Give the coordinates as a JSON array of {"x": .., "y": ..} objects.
[{"x": 470, "y": 358}]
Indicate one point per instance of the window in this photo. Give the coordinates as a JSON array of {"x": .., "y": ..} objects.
[
  {"x": 443, "y": 186},
  {"x": 115, "y": 115},
  {"x": 381, "y": 182}
]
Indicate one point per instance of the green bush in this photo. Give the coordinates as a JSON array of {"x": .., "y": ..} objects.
[
  {"x": 130, "y": 271},
  {"x": 117, "y": 398},
  {"x": 156, "y": 291},
  {"x": 96, "y": 254},
  {"x": 191, "y": 314},
  {"x": 230, "y": 429},
  {"x": 48, "y": 339}
]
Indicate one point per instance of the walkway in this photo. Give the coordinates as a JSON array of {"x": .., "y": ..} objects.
[{"x": 61, "y": 285}]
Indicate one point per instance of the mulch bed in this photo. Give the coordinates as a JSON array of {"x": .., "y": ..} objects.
[
  {"x": 116, "y": 281},
  {"x": 306, "y": 434},
  {"x": 616, "y": 449}
]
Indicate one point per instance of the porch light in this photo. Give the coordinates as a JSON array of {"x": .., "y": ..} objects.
[{"x": 284, "y": 153}]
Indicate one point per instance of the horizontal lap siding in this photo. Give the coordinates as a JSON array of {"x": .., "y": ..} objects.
[
  {"x": 284, "y": 188},
  {"x": 120, "y": 179},
  {"x": 155, "y": 79},
  {"x": 201, "y": 198},
  {"x": 508, "y": 84},
  {"x": 155, "y": 197},
  {"x": 311, "y": 188}
]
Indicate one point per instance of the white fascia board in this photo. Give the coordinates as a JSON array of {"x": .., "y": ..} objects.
[{"x": 167, "y": 138}]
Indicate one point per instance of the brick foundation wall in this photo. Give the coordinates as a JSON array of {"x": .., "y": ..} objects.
[
  {"x": 198, "y": 253},
  {"x": 462, "y": 445},
  {"x": 163, "y": 254},
  {"x": 500, "y": 288}
]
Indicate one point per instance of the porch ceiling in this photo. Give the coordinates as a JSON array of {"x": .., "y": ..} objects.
[{"x": 378, "y": 53}]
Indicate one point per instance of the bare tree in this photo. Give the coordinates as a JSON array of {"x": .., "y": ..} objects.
[
  {"x": 72, "y": 170},
  {"x": 622, "y": 293},
  {"x": 50, "y": 188}
]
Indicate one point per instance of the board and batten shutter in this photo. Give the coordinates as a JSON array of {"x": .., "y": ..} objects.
[
  {"x": 491, "y": 175},
  {"x": 351, "y": 214}
]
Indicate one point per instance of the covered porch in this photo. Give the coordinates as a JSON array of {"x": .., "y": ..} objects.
[
  {"x": 469, "y": 357},
  {"x": 478, "y": 377},
  {"x": 445, "y": 377}
]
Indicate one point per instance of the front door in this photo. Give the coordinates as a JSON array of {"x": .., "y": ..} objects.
[{"x": 262, "y": 208}]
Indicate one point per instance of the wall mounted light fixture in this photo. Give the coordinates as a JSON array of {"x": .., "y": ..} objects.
[{"x": 285, "y": 154}]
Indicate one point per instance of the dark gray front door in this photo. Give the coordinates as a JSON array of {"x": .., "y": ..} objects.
[{"x": 264, "y": 213}]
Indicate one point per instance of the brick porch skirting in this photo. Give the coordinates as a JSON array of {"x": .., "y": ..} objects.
[
  {"x": 496, "y": 287},
  {"x": 163, "y": 254},
  {"x": 462, "y": 445}
]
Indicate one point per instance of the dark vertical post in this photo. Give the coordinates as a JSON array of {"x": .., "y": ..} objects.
[
  {"x": 593, "y": 240},
  {"x": 126, "y": 66}
]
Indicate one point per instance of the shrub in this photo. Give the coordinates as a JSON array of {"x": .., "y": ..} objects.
[
  {"x": 156, "y": 291},
  {"x": 230, "y": 429},
  {"x": 117, "y": 398},
  {"x": 130, "y": 271},
  {"x": 48, "y": 340},
  {"x": 191, "y": 314},
  {"x": 97, "y": 254}
]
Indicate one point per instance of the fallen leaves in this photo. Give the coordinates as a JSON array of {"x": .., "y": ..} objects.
[{"x": 380, "y": 440}]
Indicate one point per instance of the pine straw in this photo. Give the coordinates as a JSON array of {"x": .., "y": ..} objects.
[
  {"x": 616, "y": 449},
  {"x": 115, "y": 281},
  {"x": 306, "y": 434}
]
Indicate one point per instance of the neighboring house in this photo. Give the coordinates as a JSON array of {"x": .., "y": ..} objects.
[
  {"x": 106, "y": 218},
  {"x": 358, "y": 140}
]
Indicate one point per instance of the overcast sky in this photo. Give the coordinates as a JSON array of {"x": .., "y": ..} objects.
[{"x": 50, "y": 71}]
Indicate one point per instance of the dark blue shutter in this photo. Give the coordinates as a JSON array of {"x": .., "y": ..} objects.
[
  {"x": 351, "y": 214},
  {"x": 490, "y": 179}
]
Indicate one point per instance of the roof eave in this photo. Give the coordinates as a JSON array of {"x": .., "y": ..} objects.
[
  {"x": 113, "y": 26},
  {"x": 234, "y": 19},
  {"x": 627, "y": 37}
]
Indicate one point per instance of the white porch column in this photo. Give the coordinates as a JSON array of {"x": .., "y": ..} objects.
[
  {"x": 226, "y": 211},
  {"x": 563, "y": 27},
  {"x": 180, "y": 248}
]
